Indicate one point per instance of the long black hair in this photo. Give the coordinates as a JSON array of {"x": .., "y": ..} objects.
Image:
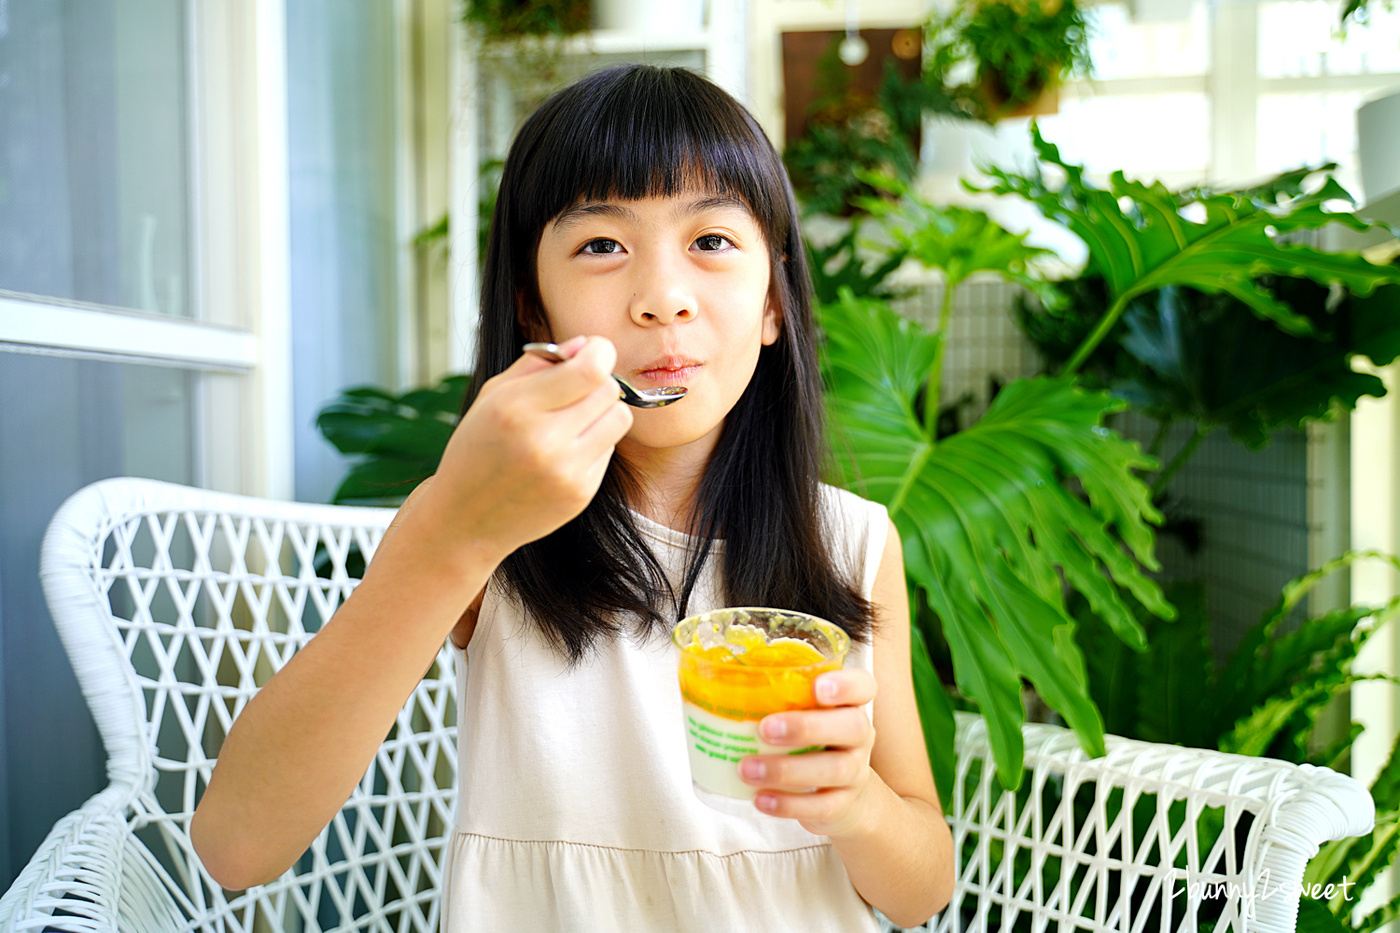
[{"x": 638, "y": 131}]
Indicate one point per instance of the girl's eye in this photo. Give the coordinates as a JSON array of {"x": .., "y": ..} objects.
[
  {"x": 602, "y": 246},
  {"x": 713, "y": 241}
]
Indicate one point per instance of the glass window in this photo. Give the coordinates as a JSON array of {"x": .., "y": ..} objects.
[
  {"x": 1134, "y": 114},
  {"x": 1331, "y": 119},
  {"x": 346, "y": 246},
  {"x": 94, "y": 146},
  {"x": 1121, "y": 48},
  {"x": 1299, "y": 39},
  {"x": 1150, "y": 136},
  {"x": 65, "y": 423}
]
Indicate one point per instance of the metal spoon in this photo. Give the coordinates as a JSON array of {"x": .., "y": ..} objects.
[{"x": 651, "y": 398}]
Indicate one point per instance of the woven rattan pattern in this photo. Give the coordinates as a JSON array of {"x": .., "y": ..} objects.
[{"x": 175, "y": 605}]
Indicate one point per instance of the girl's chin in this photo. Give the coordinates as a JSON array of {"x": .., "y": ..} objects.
[{"x": 663, "y": 429}]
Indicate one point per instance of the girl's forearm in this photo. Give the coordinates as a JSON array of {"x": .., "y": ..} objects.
[
  {"x": 900, "y": 859},
  {"x": 298, "y": 749}
]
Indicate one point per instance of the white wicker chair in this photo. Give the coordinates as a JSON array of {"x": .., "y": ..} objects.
[{"x": 175, "y": 604}]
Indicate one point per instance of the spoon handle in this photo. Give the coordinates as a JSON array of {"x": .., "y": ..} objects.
[
  {"x": 549, "y": 351},
  {"x": 657, "y": 399}
]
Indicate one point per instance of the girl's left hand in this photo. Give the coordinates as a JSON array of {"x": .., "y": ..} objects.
[{"x": 841, "y": 773}]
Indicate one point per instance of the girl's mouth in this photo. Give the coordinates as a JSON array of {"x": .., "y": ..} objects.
[{"x": 669, "y": 371}]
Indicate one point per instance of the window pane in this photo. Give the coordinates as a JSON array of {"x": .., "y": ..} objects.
[
  {"x": 65, "y": 423},
  {"x": 1150, "y": 136},
  {"x": 1331, "y": 133},
  {"x": 94, "y": 188},
  {"x": 512, "y": 89},
  {"x": 1297, "y": 38},
  {"x": 1121, "y": 48},
  {"x": 343, "y": 143}
]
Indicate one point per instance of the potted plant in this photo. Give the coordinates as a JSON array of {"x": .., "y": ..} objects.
[
  {"x": 847, "y": 128},
  {"x": 1231, "y": 330},
  {"x": 508, "y": 19},
  {"x": 1018, "y": 52},
  {"x": 525, "y": 42}
]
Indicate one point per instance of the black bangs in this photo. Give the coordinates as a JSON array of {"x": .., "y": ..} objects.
[{"x": 637, "y": 131}]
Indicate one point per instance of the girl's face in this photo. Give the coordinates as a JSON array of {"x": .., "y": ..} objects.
[{"x": 680, "y": 285}]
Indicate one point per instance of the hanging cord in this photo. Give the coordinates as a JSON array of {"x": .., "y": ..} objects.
[{"x": 853, "y": 49}]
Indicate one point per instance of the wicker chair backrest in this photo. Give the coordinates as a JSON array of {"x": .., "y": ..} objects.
[{"x": 175, "y": 605}]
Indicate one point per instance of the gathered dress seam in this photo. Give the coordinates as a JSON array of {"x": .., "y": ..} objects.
[{"x": 595, "y": 845}]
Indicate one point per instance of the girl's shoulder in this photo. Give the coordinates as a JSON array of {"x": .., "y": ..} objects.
[
  {"x": 856, "y": 530},
  {"x": 852, "y": 510}
]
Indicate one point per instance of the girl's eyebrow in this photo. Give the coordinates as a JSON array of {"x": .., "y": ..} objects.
[
  {"x": 720, "y": 202},
  {"x": 575, "y": 213}
]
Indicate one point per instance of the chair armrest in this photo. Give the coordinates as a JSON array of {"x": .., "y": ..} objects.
[
  {"x": 1162, "y": 834},
  {"x": 91, "y": 875}
]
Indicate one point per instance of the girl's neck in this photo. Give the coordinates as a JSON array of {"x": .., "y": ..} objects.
[{"x": 668, "y": 480}]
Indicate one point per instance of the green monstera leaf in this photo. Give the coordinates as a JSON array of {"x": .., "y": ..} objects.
[
  {"x": 991, "y": 534},
  {"x": 1178, "y": 353},
  {"x": 1141, "y": 238},
  {"x": 397, "y": 439}
]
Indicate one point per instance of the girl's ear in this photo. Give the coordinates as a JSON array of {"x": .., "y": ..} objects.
[{"x": 772, "y": 320}]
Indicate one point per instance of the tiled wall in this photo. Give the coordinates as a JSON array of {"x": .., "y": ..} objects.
[
  {"x": 1250, "y": 509},
  {"x": 1253, "y": 507},
  {"x": 984, "y": 342}
]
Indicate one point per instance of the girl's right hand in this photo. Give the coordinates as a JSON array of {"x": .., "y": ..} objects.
[{"x": 530, "y": 453}]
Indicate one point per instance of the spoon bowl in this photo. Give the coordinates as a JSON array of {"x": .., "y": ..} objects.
[{"x": 637, "y": 398}]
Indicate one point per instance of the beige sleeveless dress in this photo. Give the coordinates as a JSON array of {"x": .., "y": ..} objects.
[{"x": 575, "y": 809}]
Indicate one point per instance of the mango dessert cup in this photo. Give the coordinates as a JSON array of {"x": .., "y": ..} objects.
[{"x": 737, "y": 666}]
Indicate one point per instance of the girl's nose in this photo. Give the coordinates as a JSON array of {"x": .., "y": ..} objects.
[{"x": 661, "y": 297}]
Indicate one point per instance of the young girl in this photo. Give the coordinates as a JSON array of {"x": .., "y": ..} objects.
[{"x": 646, "y": 225}]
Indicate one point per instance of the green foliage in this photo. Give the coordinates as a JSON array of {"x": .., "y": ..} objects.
[
  {"x": 936, "y": 716},
  {"x": 1282, "y": 188},
  {"x": 1150, "y": 243},
  {"x": 435, "y": 237},
  {"x": 957, "y": 241},
  {"x": 505, "y": 18},
  {"x": 1019, "y": 49},
  {"x": 841, "y": 264},
  {"x": 990, "y": 532},
  {"x": 1022, "y": 48},
  {"x": 1180, "y": 353},
  {"x": 1361, "y": 861},
  {"x": 397, "y": 439},
  {"x": 848, "y": 130},
  {"x": 1264, "y": 699}
]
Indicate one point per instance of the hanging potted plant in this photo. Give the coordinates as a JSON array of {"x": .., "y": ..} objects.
[
  {"x": 509, "y": 19},
  {"x": 527, "y": 38},
  {"x": 525, "y": 43},
  {"x": 1010, "y": 55}
]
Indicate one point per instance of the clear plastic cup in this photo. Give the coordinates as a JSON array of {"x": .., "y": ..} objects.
[{"x": 737, "y": 666}]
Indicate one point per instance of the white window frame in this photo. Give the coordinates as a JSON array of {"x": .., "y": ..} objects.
[
  {"x": 1233, "y": 87},
  {"x": 239, "y": 180}
]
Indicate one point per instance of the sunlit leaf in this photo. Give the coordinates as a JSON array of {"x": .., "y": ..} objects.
[
  {"x": 957, "y": 241},
  {"x": 1140, "y": 238},
  {"x": 990, "y": 532},
  {"x": 1314, "y": 917}
]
